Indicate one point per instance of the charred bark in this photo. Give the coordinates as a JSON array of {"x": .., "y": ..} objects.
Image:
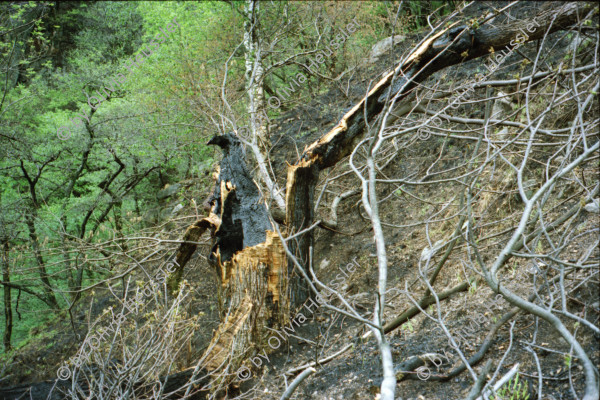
[
  {"x": 245, "y": 219},
  {"x": 249, "y": 261},
  {"x": 301, "y": 183}
]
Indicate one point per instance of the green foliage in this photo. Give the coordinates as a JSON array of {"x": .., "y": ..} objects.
[
  {"x": 407, "y": 327},
  {"x": 144, "y": 125},
  {"x": 472, "y": 286},
  {"x": 418, "y": 11},
  {"x": 156, "y": 123},
  {"x": 513, "y": 390}
]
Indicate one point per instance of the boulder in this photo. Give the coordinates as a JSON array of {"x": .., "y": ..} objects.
[
  {"x": 383, "y": 46},
  {"x": 429, "y": 252},
  {"x": 593, "y": 207},
  {"x": 177, "y": 208},
  {"x": 168, "y": 191}
]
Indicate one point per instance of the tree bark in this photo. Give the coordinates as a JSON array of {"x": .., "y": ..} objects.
[
  {"x": 255, "y": 73},
  {"x": 7, "y": 298},
  {"x": 254, "y": 76},
  {"x": 30, "y": 218},
  {"x": 49, "y": 296},
  {"x": 249, "y": 261}
]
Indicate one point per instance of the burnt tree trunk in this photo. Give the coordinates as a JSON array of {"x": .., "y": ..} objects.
[{"x": 249, "y": 260}]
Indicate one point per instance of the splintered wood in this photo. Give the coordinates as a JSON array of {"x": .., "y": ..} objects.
[
  {"x": 221, "y": 346},
  {"x": 249, "y": 297},
  {"x": 187, "y": 249},
  {"x": 342, "y": 126},
  {"x": 269, "y": 254}
]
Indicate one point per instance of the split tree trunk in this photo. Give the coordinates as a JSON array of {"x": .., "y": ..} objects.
[{"x": 249, "y": 261}]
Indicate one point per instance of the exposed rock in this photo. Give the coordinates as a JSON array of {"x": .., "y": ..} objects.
[
  {"x": 168, "y": 191},
  {"x": 575, "y": 43},
  {"x": 593, "y": 207},
  {"x": 503, "y": 134},
  {"x": 383, "y": 46},
  {"x": 177, "y": 208},
  {"x": 501, "y": 107},
  {"x": 428, "y": 252}
]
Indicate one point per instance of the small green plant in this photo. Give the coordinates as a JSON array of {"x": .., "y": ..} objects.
[
  {"x": 539, "y": 248},
  {"x": 473, "y": 23},
  {"x": 472, "y": 286},
  {"x": 513, "y": 390},
  {"x": 568, "y": 360},
  {"x": 513, "y": 269}
]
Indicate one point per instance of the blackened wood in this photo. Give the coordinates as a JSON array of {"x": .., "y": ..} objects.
[{"x": 244, "y": 217}]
